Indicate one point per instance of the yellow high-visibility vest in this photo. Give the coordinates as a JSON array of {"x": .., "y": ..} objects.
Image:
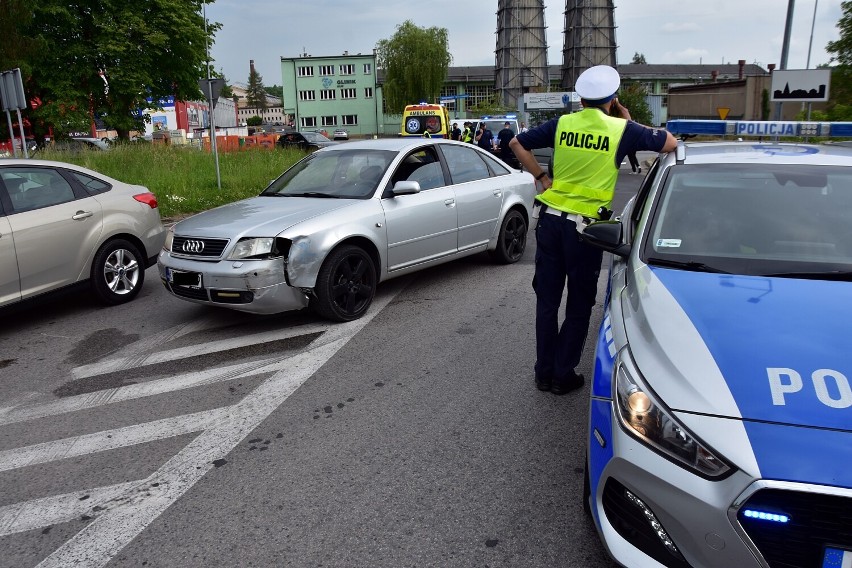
[{"x": 584, "y": 169}]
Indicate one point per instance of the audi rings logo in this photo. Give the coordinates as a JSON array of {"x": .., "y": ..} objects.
[{"x": 193, "y": 246}]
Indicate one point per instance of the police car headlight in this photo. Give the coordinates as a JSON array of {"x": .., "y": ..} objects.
[
  {"x": 253, "y": 248},
  {"x": 643, "y": 416}
]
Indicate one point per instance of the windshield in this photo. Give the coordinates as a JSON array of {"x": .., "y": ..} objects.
[
  {"x": 346, "y": 174},
  {"x": 315, "y": 137},
  {"x": 758, "y": 219}
]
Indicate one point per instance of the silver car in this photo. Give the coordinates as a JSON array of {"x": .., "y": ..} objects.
[
  {"x": 720, "y": 432},
  {"x": 345, "y": 218},
  {"x": 62, "y": 224}
]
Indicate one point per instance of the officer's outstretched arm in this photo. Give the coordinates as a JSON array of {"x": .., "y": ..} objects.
[
  {"x": 525, "y": 157},
  {"x": 671, "y": 142}
]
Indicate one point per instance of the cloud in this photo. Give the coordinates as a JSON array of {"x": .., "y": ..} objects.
[
  {"x": 688, "y": 55},
  {"x": 679, "y": 27}
]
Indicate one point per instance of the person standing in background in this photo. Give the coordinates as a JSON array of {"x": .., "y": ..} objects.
[
  {"x": 503, "y": 138},
  {"x": 483, "y": 138}
]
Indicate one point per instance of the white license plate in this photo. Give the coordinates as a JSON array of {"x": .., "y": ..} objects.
[{"x": 181, "y": 278}]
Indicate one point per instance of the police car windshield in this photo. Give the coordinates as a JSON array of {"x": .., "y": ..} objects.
[{"x": 758, "y": 219}]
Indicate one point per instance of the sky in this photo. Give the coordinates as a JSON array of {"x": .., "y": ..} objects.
[{"x": 685, "y": 31}]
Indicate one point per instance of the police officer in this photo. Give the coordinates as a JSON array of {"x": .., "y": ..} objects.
[
  {"x": 467, "y": 135},
  {"x": 589, "y": 146}
]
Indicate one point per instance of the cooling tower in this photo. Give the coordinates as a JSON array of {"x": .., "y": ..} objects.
[
  {"x": 589, "y": 38},
  {"x": 521, "y": 55}
]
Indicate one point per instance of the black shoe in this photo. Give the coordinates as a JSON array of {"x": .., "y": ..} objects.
[
  {"x": 564, "y": 387},
  {"x": 542, "y": 385}
]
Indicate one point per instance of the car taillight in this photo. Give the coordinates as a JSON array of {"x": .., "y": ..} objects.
[{"x": 148, "y": 199}]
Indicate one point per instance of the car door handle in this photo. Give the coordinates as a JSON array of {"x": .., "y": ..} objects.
[
  {"x": 450, "y": 202},
  {"x": 81, "y": 215},
  {"x": 498, "y": 192}
]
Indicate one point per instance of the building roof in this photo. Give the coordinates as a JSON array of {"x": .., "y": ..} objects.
[
  {"x": 630, "y": 72},
  {"x": 703, "y": 71}
]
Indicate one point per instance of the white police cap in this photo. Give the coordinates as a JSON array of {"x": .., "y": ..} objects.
[{"x": 598, "y": 84}]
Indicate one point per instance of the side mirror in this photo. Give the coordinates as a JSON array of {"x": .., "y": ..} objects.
[
  {"x": 406, "y": 188},
  {"x": 606, "y": 235}
]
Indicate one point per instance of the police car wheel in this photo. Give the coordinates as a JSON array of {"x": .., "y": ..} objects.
[{"x": 512, "y": 239}]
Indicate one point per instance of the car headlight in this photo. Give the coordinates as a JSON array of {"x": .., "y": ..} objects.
[
  {"x": 170, "y": 236},
  {"x": 643, "y": 416},
  {"x": 253, "y": 248}
]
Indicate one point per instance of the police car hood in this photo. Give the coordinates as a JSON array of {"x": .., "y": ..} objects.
[{"x": 774, "y": 350}]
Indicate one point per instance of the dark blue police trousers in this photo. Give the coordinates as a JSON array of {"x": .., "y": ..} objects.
[{"x": 561, "y": 256}]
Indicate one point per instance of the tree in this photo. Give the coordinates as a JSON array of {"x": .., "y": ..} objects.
[
  {"x": 842, "y": 48},
  {"x": 255, "y": 92},
  {"x": 838, "y": 107},
  {"x": 632, "y": 96},
  {"x": 274, "y": 90},
  {"x": 108, "y": 59},
  {"x": 639, "y": 58},
  {"x": 415, "y": 62}
]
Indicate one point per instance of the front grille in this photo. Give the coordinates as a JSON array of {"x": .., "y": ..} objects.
[
  {"x": 198, "y": 247},
  {"x": 815, "y": 520},
  {"x": 630, "y": 522},
  {"x": 187, "y": 292}
]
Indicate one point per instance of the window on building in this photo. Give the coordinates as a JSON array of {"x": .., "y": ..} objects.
[
  {"x": 306, "y": 71},
  {"x": 308, "y": 121},
  {"x": 449, "y": 91},
  {"x": 329, "y": 121},
  {"x": 348, "y": 94},
  {"x": 349, "y": 119},
  {"x": 478, "y": 94},
  {"x": 368, "y": 92},
  {"x": 326, "y": 70},
  {"x": 328, "y": 95},
  {"x": 368, "y": 68},
  {"x": 347, "y": 69},
  {"x": 307, "y": 95}
]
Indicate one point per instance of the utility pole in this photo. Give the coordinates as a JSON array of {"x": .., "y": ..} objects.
[
  {"x": 785, "y": 48},
  {"x": 211, "y": 103}
]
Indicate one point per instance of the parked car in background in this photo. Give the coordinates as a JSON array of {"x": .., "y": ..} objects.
[
  {"x": 341, "y": 134},
  {"x": 346, "y": 218},
  {"x": 78, "y": 144},
  {"x": 307, "y": 141},
  {"x": 62, "y": 225},
  {"x": 719, "y": 427}
]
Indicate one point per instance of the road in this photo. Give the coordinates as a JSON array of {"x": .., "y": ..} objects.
[{"x": 161, "y": 433}]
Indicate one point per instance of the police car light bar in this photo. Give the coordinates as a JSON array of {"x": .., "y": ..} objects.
[{"x": 759, "y": 128}]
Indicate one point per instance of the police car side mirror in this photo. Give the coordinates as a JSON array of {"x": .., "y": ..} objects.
[{"x": 606, "y": 235}]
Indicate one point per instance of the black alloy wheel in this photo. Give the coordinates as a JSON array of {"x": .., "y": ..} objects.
[
  {"x": 346, "y": 284},
  {"x": 512, "y": 239}
]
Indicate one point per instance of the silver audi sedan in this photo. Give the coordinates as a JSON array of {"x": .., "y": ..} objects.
[
  {"x": 63, "y": 225},
  {"x": 345, "y": 218}
]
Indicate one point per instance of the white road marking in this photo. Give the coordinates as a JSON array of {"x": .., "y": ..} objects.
[
  {"x": 40, "y": 513},
  {"x": 111, "y": 439},
  {"x": 121, "y": 512},
  {"x": 112, "y": 530},
  {"x": 136, "y": 361},
  {"x": 131, "y": 392}
]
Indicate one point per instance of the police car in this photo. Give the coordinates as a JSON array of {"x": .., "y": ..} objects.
[{"x": 720, "y": 429}]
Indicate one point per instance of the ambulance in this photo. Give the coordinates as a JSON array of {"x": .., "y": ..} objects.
[{"x": 423, "y": 118}]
